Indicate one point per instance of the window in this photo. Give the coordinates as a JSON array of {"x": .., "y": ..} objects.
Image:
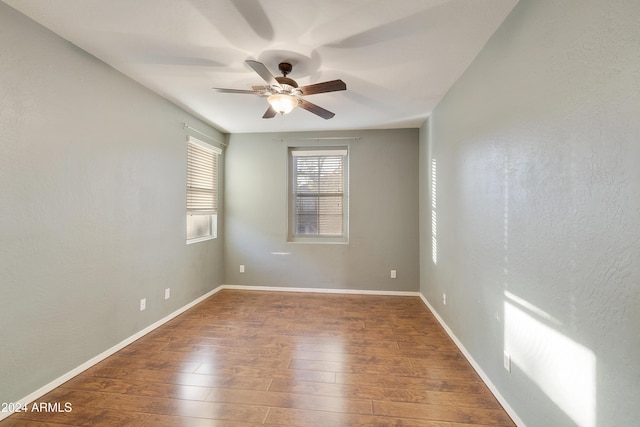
[
  {"x": 318, "y": 196},
  {"x": 202, "y": 191}
]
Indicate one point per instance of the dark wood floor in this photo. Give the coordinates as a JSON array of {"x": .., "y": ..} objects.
[{"x": 250, "y": 358}]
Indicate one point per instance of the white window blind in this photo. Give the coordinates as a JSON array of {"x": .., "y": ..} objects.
[
  {"x": 319, "y": 192},
  {"x": 202, "y": 190},
  {"x": 202, "y": 179}
]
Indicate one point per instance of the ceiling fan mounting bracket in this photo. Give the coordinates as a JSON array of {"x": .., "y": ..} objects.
[{"x": 285, "y": 68}]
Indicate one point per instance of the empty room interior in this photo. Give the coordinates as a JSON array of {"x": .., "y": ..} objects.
[{"x": 323, "y": 213}]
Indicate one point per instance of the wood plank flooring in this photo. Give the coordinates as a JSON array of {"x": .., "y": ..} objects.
[{"x": 253, "y": 358}]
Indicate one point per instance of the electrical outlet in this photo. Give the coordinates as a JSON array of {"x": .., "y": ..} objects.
[
  {"x": 143, "y": 304},
  {"x": 393, "y": 274},
  {"x": 167, "y": 293},
  {"x": 241, "y": 268},
  {"x": 444, "y": 299},
  {"x": 507, "y": 362}
]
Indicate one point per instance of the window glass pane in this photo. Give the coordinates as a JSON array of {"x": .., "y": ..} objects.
[
  {"x": 319, "y": 215},
  {"x": 318, "y": 192},
  {"x": 198, "y": 226}
]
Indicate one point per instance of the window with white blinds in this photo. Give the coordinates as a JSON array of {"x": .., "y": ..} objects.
[
  {"x": 202, "y": 190},
  {"x": 318, "y": 196}
]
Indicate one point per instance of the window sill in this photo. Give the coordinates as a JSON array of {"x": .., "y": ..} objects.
[
  {"x": 319, "y": 240},
  {"x": 200, "y": 239}
]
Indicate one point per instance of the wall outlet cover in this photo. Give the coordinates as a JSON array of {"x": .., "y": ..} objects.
[{"x": 507, "y": 362}]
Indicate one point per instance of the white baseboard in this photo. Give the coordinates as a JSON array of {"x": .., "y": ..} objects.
[
  {"x": 320, "y": 290},
  {"x": 475, "y": 365},
  {"x": 89, "y": 363}
]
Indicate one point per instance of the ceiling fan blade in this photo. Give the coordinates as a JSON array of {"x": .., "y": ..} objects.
[
  {"x": 313, "y": 108},
  {"x": 263, "y": 72},
  {"x": 261, "y": 89},
  {"x": 218, "y": 89},
  {"x": 270, "y": 113},
  {"x": 330, "y": 86}
]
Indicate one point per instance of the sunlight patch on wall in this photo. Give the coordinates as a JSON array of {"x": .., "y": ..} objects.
[
  {"x": 563, "y": 369},
  {"x": 434, "y": 218},
  {"x": 526, "y": 305}
]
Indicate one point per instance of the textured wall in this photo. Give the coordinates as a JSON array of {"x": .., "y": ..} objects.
[
  {"x": 537, "y": 211},
  {"x": 92, "y": 208},
  {"x": 383, "y": 212}
]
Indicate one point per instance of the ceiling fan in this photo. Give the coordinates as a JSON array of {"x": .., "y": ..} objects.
[{"x": 283, "y": 93}]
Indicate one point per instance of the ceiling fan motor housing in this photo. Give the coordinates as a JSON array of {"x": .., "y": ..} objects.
[
  {"x": 287, "y": 81},
  {"x": 285, "y": 68}
]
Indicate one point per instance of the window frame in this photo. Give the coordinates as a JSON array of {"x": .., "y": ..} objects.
[
  {"x": 292, "y": 236},
  {"x": 211, "y": 210}
]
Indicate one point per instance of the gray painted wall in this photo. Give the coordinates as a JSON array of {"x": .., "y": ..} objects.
[
  {"x": 383, "y": 210},
  {"x": 92, "y": 211},
  {"x": 538, "y": 211}
]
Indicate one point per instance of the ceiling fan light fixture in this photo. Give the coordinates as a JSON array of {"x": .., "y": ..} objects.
[{"x": 282, "y": 103}]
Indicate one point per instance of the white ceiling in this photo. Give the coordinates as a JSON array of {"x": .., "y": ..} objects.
[{"x": 397, "y": 57}]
